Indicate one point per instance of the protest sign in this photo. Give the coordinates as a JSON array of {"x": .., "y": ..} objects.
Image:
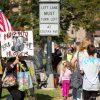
[{"x": 17, "y": 42}]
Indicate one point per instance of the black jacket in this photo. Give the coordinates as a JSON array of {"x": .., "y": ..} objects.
[{"x": 14, "y": 70}]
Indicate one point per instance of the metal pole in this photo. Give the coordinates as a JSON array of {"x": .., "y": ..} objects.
[
  {"x": 49, "y": 69},
  {"x": 49, "y": 56}
]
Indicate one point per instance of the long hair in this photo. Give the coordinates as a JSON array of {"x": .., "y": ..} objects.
[
  {"x": 59, "y": 67},
  {"x": 83, "y": 45}
]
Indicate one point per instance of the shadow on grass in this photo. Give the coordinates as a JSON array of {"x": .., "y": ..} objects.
[
  {"x": 43, "y": 97},
  {"x": 5, "y": 96}
]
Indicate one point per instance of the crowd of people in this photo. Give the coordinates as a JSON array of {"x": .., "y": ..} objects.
[
  {"x": 83, "y": 73},
  {"x": 77, "y": 67}
]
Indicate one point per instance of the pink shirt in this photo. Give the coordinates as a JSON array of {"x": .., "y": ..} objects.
[{"x": 65, "y": 75}]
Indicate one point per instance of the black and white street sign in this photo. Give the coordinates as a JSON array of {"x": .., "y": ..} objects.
[
  {"x": 49, "y": 19},
  {"x": 49, "y": 0}
]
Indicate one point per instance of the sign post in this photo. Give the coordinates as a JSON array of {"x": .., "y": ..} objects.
[{"x": 49, "y": 26}]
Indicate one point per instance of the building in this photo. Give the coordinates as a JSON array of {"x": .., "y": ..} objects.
[
  {"x": 78, "y": 35},
  {"x": 96, "y": 36}
]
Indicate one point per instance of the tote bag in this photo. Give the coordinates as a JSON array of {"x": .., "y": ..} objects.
[{"x": 24, "y": 81}]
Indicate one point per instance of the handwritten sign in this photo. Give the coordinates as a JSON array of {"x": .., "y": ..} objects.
[{"x": 17, "y": 42}]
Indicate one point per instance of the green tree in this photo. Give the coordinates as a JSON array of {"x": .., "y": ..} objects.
[
  {"x": 27, "y": 16},
  {"x": 80, "y": 13}
]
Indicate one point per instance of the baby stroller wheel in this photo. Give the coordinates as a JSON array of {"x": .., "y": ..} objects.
[{"x": 45, "y": 86}]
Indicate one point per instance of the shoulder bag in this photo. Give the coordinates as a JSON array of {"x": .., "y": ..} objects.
[
  {"x": 24, "y": 80},
  {"x": 76, "y": 79},
  {"x": 8, "y": 79}
]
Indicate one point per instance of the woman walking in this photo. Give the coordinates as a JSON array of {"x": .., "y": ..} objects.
[
  {"x": 81, "y": 53},
  {"x": 90, "y": 68},
  {"x": 12, "y": 68}
]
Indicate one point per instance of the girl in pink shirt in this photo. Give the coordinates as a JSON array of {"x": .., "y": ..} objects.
[{"x": 65, "y": 75}]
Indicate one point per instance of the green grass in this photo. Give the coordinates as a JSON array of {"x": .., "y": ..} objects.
[
  {"x": 4, "y": 94},
  {"x": 41, "y": 94},
  {"x": 45, "y": 94}
]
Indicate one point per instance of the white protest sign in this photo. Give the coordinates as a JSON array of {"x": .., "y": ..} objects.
[{"x": 17, "y": 42}]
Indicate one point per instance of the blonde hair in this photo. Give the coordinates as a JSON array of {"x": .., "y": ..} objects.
[
  {"x": 62, "y": 67},
  {"x": 83, "y": 45}
]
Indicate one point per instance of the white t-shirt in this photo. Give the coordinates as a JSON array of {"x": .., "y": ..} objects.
[{"x": 91, "y": 68}]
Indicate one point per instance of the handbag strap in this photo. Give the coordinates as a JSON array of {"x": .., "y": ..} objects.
[
  {"x": 78, "y": 68},
  {"x": 21, "y": 67},
  {"x": 4, "y": 74}
]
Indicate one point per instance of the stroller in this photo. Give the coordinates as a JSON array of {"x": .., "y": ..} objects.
[
  {"x": 41, "y": 79},
  {"x": 43, "y": 82}
]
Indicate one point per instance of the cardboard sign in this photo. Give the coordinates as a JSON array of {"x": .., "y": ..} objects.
[{"x": 17, "y": 42}]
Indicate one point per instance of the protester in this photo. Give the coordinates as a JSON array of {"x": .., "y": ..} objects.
[
  {"x": 30, "y": 63},
  {"x": 81, "y": 53},
  {"x": 11, "y": 68},
  {"x": 64, "y": 78},
  {"x": 69, "y": 55},
  {"x": 2, "y": 67},
  {"x": 56, "y": 58},
  {"x": 90, "y": 68},
  {"x": 0, "y": 81}
]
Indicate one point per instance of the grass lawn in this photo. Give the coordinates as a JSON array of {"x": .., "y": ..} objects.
[
  {"x": 41, "y": 94},
  {"x": 54, "y": 94},
  {"x": 4, "y": 94}
]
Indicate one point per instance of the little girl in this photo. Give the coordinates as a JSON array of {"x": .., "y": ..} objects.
[{"x": 65, "y": 75}]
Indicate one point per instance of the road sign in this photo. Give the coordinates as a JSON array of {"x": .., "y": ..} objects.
[
  {"x": 49, "y": 13},
  {"x": 49, "y": 0},
  {"x": 49, "y": 29},
  {"x": 49, "y": 19}
]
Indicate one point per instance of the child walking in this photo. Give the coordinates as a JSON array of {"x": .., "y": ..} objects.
[{"x": 65, "y": 75}]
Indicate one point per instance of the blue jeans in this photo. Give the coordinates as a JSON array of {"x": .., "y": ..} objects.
[
  {"x": 9, "y": 97},
  {"x": 76, "y": 93}
]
